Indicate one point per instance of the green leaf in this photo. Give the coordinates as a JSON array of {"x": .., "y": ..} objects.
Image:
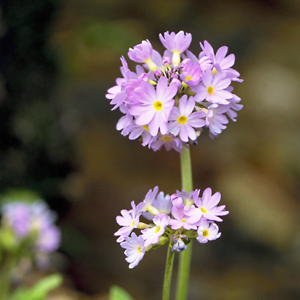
[
  {"x": 117, "y": 293},
  {"x": 40, "y": 290}
]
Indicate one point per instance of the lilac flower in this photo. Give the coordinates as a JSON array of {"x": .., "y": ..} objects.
[
  {"x": 142, "y": 54},
  {"x": 184, "y": 120},
  {"x": 49, "y": 239},
  {"x": 135, "y": 131},
  {"x": 129, "y": 221},
  {"x": 146, "y": 205},
  {"x": 178, "y": 240},
  {"x": 169, "y": 141},
  {"x": 181, "y": 219},
  {"x": 215, "y": 119},
  {"x": 191, "y": 73},
  {"x": 151, "y": 235},
  {"x": 207, "y": 231},
  {"x": 233, "y": 107},
  {"x": 176, "y": 43},
  {"x": 148, "y": 95},
  {"x": 17, "y": 215},
  {"x": 162, "y": 203},
  {"x": 135, "y": 249},
  {"x": 220, "y": 62},
  {"x": 155, "y": 105},
  {"x": 35, "y": 220},
  {"x": 212, "y": 88},
  {"x": 207, "y": 206}
]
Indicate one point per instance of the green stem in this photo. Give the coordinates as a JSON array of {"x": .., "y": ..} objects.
[
  {"x": 186, "y": 255},
  {"x": 168, "y": 274},
  {"x": 8, "y": 264}
]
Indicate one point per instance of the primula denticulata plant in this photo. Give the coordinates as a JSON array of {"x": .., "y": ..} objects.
[
  {"x": 28, "y": 236},
  {"x": 168, "y": 101}
]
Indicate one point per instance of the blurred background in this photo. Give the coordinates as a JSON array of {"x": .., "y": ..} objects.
[{"x": 58, "y": 139}]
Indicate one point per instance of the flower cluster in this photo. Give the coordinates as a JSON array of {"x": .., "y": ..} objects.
[
  {"x": 169, "y": 99},
  {"x": 180, "y": 218},
  {"x": 31, "y": 225}
]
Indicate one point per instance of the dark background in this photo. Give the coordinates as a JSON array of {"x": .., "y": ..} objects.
[{"x": 58, "y": 138}]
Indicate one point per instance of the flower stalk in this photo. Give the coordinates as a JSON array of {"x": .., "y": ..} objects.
[
  {"x": 168, "y": 273},
  {"x": 185, "y": 256}
]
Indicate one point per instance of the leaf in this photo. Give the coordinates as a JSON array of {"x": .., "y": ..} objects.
[
  {"x": 117, "y": 293},
  {"x": 40, "y": 290}
]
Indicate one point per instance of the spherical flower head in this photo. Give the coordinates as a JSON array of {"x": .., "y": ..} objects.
[
  {"x": 154, "y": 106},
  {"x": 151, "y": 235},
  {"x": 176, "y": 43},
  {"x": 142, "y": 53},
  {"x": 207, "y": 231},
  {"x": 135, "y": 249},
  {"x": 213, "y": 88},
  {"x": 184, "y": 120}
]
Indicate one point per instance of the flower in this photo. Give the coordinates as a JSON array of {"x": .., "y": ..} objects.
[
  {"x": 212, "y": 88},
  {"x": 151, "y": 235},
  {"x": 154, "y": 105},
  {"x": 178, "y": 218},
  {"x": 151, "y": 96},
  {"x": 129, "y": 221},
  {"x": 142, "y": 54},
  {"x": 135, "y": 249},
  {"x": 207, "y": 231},
  {"x": 184, "y": 120},
  {"x": 207, "y": 206},
  {"x": 32, "y": 224},
  {"x": 176, "y": 43}
]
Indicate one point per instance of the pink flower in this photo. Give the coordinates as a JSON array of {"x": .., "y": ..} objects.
[
  {"x": 212, "y": 88},
  {"x": 207, "y": 206},
  {"x": 176, "y": 43},
  {"x": 151, "y": 235},
  {"x": 207, "y": 231},
  {"x": 135, "y": 249},
  {"x": 154, "y": 105},
  {"x": 129, "y": 221},
  {"x": 141, "y": 52},
  {"x": 184, "y": 120}
]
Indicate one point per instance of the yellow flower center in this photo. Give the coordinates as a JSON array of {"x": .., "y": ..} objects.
[
  {"x": 167, "y": 138},
  {"x": 157, "y": 229},
  {"x": 205, "y": 232},
  {"x": 139, "y": 249},
  {"x": 204, "y": 210},
  {"x": 182, "y": 120},
  {"x": 188, "y": 78},
  {"x": 214, "y": 71},
  {"x": 146, "y": 127},
  {"x": 132, "y": 223},
  {"x": 210, "y": 90},
  {"x": 158, "y": 105}
]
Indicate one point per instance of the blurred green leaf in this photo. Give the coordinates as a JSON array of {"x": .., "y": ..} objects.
[
  {"x": 108, "y": 35},
  {"x": 117, "y": 293},
  {"x": 19, "y": 195},
  {"x": 40, "y": 290}
]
